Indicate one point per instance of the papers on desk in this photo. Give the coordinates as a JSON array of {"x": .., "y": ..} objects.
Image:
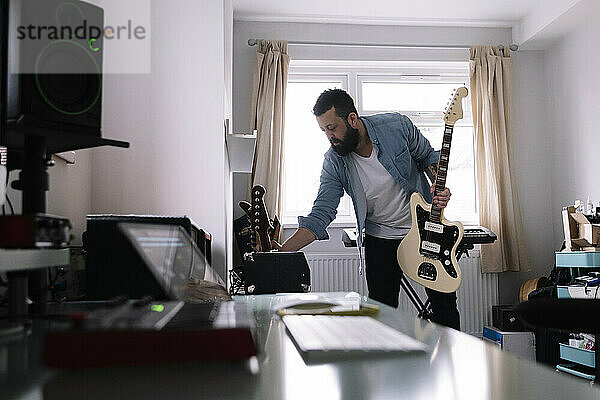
[{"x": 310, "y": 304}]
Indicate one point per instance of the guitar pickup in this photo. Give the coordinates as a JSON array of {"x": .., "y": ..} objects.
[
  {"x": 429, "y": 246},
  {"x": 433, "y": 227}
]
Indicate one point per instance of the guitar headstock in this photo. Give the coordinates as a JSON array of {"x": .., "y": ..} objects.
[
  {"x": 261, "y": 226},
  {"x": 454, "y": 111}
]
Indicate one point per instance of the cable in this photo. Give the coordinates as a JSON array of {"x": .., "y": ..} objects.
[
  {"x": 5, "y": 189},
  {"x": 12, "y": 210},
  {"x": 237, "y": 281},
  {"x": 7, "y": 198}
]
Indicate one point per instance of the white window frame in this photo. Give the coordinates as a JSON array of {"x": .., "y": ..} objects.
[
  {"x": 343, "y": 219},
  {"x": 357, "y": 72}
]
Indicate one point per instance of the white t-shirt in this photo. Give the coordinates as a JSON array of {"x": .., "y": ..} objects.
[{"x": 388, "y": 205}]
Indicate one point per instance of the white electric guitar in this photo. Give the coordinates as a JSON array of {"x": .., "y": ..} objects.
[{"x": 427, "y": 254}]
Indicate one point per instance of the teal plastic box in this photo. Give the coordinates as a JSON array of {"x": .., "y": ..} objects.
[{"x": 579, "y": 356}]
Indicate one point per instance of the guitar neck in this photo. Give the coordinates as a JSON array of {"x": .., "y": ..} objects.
[
  {"x": 260, "y": 217},
  {"x": 442, "y": 171}
]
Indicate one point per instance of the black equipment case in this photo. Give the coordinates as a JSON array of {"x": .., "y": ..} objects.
[{"x": 276, "y": 272}]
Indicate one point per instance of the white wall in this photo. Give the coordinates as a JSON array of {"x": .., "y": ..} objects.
[
  {"x": 573, "y": 84},
  {"x": 70, "y": 192},
  {"x": 531, "y": 147},
  {"x": 173, "y": 118},
  {"x": 556, "y": 107}
]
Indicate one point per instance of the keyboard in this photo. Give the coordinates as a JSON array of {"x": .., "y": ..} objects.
[
  {"x": 347, "y": 335},
  {"x": 472, "y": 235},
  {"x": 477, "y": 235}
]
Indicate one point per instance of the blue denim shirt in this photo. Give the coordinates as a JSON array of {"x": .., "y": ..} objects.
[{"x": 402, "y": 150}]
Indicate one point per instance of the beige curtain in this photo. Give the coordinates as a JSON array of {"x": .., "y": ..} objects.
[
  {"x": 499, "y": 209},
  {"x": 267, "y": 117}
]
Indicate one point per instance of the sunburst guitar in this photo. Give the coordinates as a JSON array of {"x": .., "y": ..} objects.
[{"x": 427, "y": 254}]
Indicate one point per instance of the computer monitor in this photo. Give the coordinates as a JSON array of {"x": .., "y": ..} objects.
[{"x": 171, "y": 256}]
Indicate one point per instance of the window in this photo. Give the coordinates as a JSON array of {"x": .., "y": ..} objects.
[
  {"x": 419, "y": 90},
  {"x": 304, "y": 147}
]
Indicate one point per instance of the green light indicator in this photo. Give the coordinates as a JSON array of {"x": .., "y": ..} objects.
[
  {"x": 91, "y": 46},
  {"x": 157, "y": 307}
]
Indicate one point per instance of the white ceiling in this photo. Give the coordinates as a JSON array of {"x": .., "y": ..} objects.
[{"x": 493, "y": 13}]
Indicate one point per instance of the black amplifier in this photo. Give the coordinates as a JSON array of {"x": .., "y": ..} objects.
[
  {"x": 505, "y": 318},
  {"x": 276, "y": 272}
]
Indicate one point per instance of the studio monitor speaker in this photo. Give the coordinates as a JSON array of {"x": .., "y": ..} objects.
[{"x": 55, "y": 50}]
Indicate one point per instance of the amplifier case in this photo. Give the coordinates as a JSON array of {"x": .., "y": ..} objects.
[{"x": 276, "y": 272}]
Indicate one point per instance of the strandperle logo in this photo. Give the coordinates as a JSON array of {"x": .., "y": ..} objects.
[
  {"x": 49, "y": 34},
  {"x": 83, "y": 32}
]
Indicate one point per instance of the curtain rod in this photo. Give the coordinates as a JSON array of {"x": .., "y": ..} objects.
[{"x": 253, "y": 42}]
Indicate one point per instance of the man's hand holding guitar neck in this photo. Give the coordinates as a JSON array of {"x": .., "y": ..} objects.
[{"x": 442, "y": 198}]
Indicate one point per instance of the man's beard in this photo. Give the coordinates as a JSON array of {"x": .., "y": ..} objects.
[{"x": 348, "y": 144}]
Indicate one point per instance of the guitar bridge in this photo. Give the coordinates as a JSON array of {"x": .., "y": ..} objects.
[{"x": 427, "y": 271}]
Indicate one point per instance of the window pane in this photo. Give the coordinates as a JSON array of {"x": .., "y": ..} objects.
[
  {"x": 406, "y": 97},
  {"x": 461, "y": 171},
  {"x": 304, "y": 147}
]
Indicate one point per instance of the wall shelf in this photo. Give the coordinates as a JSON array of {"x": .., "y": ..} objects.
[
  {"x": 578, "y": 259},
  {"x": 240, "y": 150}
]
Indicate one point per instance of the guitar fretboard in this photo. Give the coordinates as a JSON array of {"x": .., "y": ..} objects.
[{"x": 440, "y": 179}]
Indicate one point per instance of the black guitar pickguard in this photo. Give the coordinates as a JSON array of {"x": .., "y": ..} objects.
[{"x": 447, "y": 239}]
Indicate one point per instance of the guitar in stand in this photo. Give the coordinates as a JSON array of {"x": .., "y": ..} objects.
[
  {"x": 263, "y": 230},
  {"x": 267, "y": 271}
]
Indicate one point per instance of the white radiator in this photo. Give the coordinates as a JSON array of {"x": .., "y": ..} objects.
[{"x": 476, "y": 295}]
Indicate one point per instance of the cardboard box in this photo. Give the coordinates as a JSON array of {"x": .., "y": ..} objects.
[{"x": 580, "y": 234}]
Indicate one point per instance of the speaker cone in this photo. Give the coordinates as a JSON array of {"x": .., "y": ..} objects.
[{"x": 67, "y": 77}]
